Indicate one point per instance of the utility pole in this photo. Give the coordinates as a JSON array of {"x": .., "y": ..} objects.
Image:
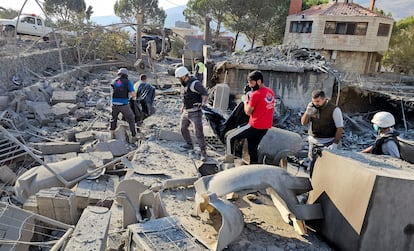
[{"x": 138, "y": 43}]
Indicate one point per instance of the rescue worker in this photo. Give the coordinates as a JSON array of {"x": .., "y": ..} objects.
[
  {"x": 145, "y": 94},
  {"x": 122, "y": 90},
  {"x": 386, "y": 142},
  {"x": 199, "y": 69},
  {"x": 259, "y": 106},
  {"x": 325, "y": 124},
  {"x": 194, "y": 97}
]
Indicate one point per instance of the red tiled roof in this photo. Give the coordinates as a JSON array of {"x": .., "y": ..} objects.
[{"x": 339, "y": 9}]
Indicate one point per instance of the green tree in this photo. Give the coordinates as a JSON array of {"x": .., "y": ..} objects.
[
  {"x": 65, "y": 11},
  {"x": 88, "y": 13},
  {"x": 128, "y": 9},
  {"x": 274, "y": 27},
  {"x": 8, "y": 13},
  {"x": 265, "y": 23},
  {"x": 309, "y": 3},
  {"x": 236, "y": 18},
  {"x": 198, "y": 11},
  {"x": 400, "y": 55}
]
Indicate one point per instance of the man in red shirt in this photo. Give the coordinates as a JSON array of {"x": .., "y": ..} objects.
[{"x": 259, "y": 105}]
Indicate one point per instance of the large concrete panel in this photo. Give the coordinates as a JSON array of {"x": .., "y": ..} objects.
[
  {"x": 91, "y": 232},
  {"x": 365, "y": 201}
]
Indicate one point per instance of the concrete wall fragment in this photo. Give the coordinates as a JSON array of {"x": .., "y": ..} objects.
[
  {"x": 40, "y": 177},
  {"x": 365, "y": 201},
  {"x": 91, "y": 232},
  {"x": 58, "y": 203}
]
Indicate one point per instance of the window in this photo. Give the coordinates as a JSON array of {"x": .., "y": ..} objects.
[
  {"x": 346, "y": 28},
  {"x": 301, "y": 26},
  {"x": 39, "y": 21},
  {"x": 361, "y": 29},
  {"x": 330, "y": 27},
  {"x": 29, "y": 20},
  {"x": 383, "y": 30}
]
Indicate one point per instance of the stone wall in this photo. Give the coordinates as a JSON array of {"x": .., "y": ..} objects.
[
  {"x": 34, "y": 63},
  {"x": 294, "y": 88}
]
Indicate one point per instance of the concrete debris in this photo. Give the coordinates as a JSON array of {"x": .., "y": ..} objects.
[
  {"x": 360, "y": 195},
  {"x": 91, "y": 232},
  {"x": 59, "y": 160},
  {"x": 160, "y": 234},
  {"x": 288, "y": 57},
  {"x": 100, "y": 191},
  {"x": 58, "y": 203},
  {"x": 64, "y": 173}
]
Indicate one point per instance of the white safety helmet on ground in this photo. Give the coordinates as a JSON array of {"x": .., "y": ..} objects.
[
  {"x": 181, "y": 72},
  {"x": 383, "y": 119},
  {"x": 123, "y": 71}
]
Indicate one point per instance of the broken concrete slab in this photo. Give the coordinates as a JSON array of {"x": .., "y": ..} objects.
[
  {"x": 363, "y": 197},
  {"x": 62, "y": 110},
  {"x": 64, "y": 97},
  {"x": 99, "y": 125},
  {"x": 116, "y": 147},
  {"x": 117, "y": 235},
  {"x": 58, "y": 203},
  {"x": 59, "y": 157},
  {"x": 98, "y": 157},
  {"x": 31, "y": 204},
  {"x": 40, "y": 177},
  {"x": 42, "y": 112},
  {"x": 99, "y": 192},
  {"x": 85, "y": 136},
  {"x": 57, "y": 147},
  {"x": 91, "y": 232}
]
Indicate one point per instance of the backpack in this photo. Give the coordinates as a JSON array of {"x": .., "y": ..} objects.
[{"x": 406, "y": 150}]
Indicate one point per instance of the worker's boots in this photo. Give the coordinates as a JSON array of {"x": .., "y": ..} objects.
[{"x": 188, "y": 146}]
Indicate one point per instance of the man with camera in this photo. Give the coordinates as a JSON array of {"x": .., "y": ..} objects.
[{"x": 325, "y": 124}]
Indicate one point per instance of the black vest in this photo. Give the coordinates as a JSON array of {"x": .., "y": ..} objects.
[
  {"x": 120, "y": 86},
  {"x": 377, "y": 148},
  {"x": 322, "y": 123},
  {"x": 191, "y": 97}
]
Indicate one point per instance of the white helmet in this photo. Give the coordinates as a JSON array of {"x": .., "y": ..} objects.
[
  {"x": 383, "y": 119},
  {"x": 123, "y": 71},
  {"x": 181, "y": 72}
]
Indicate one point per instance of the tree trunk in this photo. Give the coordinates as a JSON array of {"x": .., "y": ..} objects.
[
  {"x": 207, "y": 32},
  {"x": 233, "y": 47}
]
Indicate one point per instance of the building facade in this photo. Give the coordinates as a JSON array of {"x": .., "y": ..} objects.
[{"x": 351, "y": 37}]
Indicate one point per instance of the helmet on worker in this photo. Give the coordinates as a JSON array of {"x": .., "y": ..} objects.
[
  {"x": 383, "y": 119},
  {"x": 123, "y": 71},
  {"x": 181, "y": 72}
]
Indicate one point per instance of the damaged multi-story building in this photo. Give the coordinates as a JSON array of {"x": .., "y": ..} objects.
[{"x": 352, "y": 37}]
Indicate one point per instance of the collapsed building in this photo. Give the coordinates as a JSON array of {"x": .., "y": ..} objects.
[{"x": 81, "y": 189}]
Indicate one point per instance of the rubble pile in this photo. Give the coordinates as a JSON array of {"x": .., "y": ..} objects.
[
  {"x": 61, "y": 165},
  {"x": 286, "y": 55}
]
